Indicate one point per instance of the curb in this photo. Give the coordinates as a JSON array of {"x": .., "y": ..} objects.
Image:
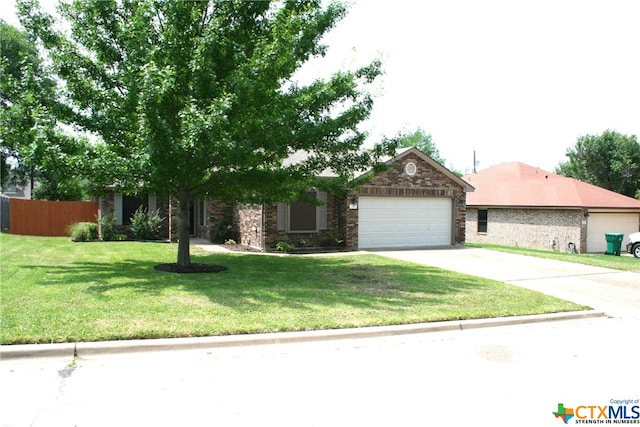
[{"x": 82, "y": 349}]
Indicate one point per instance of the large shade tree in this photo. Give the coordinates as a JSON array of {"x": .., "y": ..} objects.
[
  {"x": 199, "y": 98},
  {"x": 610, "y": 160}
]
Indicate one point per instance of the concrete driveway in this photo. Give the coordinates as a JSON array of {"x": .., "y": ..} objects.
[{"x": 614, "y": 292}]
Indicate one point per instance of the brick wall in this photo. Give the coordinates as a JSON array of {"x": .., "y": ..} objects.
[
  {"x": 336, "y": 220},
  {"x": 394, "y": 182},
  {"x": 106, "y": 206},
  {"x": 216, "y": 211},
  {"x": 248, "y": 219},
  {"x": 529, "y": 228}
]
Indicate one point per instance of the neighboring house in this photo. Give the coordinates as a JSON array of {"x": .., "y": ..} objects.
[
  {"x": 16, "y": 190},
  {"x": 11, "y": 190},
  {"x": 416, "y": 202},
  {"x": 519, "y": 205}
]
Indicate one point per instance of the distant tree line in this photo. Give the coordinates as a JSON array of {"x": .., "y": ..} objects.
[{"x": 610, "y": 160}]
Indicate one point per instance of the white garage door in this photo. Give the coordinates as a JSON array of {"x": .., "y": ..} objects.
[
  {"x": 600, "y": 223},
  {"x": 393, "y": 222}
]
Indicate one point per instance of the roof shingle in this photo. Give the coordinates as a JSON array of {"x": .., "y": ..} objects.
[{"x": 518, "y": 184}]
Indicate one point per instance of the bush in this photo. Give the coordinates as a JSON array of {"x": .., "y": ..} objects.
[
  {"x": 222, "y": 230},
  {"x": 335, "y": 235},
  {"x": 284, "y": 247},
  {"x": 107, "y": 227},
  {"x": 146, "y": 225},
  {"x": 83, "y": 231}
]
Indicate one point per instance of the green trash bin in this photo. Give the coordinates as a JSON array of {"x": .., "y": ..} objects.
[{"x": 614, "y": 243}]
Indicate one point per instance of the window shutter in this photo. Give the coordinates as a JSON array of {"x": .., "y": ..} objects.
[
  {"x": 117, "y": 207},
  {"x": 282, "y": 225},
  {"x": 152, "y": 202},
  {"x": 322, "y": 211}
]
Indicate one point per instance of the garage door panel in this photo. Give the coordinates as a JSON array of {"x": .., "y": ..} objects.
[
  {"x": 404, "y": 222},
  {"x": 600, "y": 223}
]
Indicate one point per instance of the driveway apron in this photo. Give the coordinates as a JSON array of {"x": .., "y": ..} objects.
[{"x": 614, "y": 292}]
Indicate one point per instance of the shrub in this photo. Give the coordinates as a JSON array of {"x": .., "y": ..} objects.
[
  {"x": 146, "y": 225},
  {"x": 107, "y": 227},
  {"x": 222, "y": 230},
  {"x": 230, "y": 242},
  {"x": 83, "y": 231},
  {"x": 335, "y": 235},
  {"x": 284, "y": 247}
]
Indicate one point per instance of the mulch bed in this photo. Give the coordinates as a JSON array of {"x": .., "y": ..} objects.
[{"x": 192, "y": 268}]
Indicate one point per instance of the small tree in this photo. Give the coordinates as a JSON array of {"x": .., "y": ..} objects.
[
  {"x": 610, "y": 160},
  {"x": 422, "y": 141}
]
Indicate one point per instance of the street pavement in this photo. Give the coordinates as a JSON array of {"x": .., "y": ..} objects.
[{"x": 498, "y": 376}]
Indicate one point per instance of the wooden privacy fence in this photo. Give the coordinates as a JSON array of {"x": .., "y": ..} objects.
[{"x": 46, "y": 218}]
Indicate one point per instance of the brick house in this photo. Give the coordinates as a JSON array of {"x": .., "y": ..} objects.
[
  {"x": 416, "y": 202},
  {"x": 519, "y": 205}
]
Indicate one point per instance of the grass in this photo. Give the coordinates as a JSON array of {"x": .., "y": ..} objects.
[
  {"x": 624, "y": 263},
  {"x": 55, "y": 290}
]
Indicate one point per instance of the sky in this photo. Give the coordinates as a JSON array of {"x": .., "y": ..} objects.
[{"x": 510, "y": 80}]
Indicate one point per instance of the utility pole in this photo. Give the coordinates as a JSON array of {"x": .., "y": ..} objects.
[{"x": 474, "y": 161}]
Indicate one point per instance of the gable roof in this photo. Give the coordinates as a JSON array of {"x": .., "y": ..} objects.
[
  {"x": 301, "y": 155},
  {"x": 403, "y": 152},
  {"x": 517, "y": 184}
]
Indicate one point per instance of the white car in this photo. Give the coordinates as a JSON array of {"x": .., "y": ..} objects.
[{"x": 633, "y": 247}]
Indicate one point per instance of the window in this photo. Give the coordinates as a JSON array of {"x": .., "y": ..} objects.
[
  {"x": 410, "y": 169},
  {"x": 482, "y": 220},
  {"x": 130, "y": 205},
  {"x": 125, "y": 206},
  {"x": 302, "y": 217},
  {"x": 201, "y": 212}
]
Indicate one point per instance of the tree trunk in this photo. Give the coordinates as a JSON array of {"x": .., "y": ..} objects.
[{"x": 184, "y": 257}]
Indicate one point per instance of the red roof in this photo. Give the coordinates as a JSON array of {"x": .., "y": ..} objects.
[{"x": 517, "y": 184}]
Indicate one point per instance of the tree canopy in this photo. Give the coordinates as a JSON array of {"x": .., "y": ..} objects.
[
  {"x": 17, "y": 56},
  {"x": 29, "y": 131},
  {"x": 610, "y": 160},
  {"x": 195, "y": 99},
  {"x": 422, "y": 141}
]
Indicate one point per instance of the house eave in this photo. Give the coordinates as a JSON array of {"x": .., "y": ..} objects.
[
  {"x": 547, "y": 207},
  {"x": 413, "y": 150}
]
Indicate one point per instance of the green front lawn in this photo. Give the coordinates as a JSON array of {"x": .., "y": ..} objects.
[
  {"x": 626, "y": 263},
  {"x": 54, "y": 290}
]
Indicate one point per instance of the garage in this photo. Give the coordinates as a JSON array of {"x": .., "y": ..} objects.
[
  {"x": 396, "y": 222},
  {"x": 600, "y": 223}
]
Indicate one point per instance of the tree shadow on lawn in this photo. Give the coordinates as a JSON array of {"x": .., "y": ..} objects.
[
  {"x": 129, "y": 299},
  {"x": 282, "y": 282}
]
